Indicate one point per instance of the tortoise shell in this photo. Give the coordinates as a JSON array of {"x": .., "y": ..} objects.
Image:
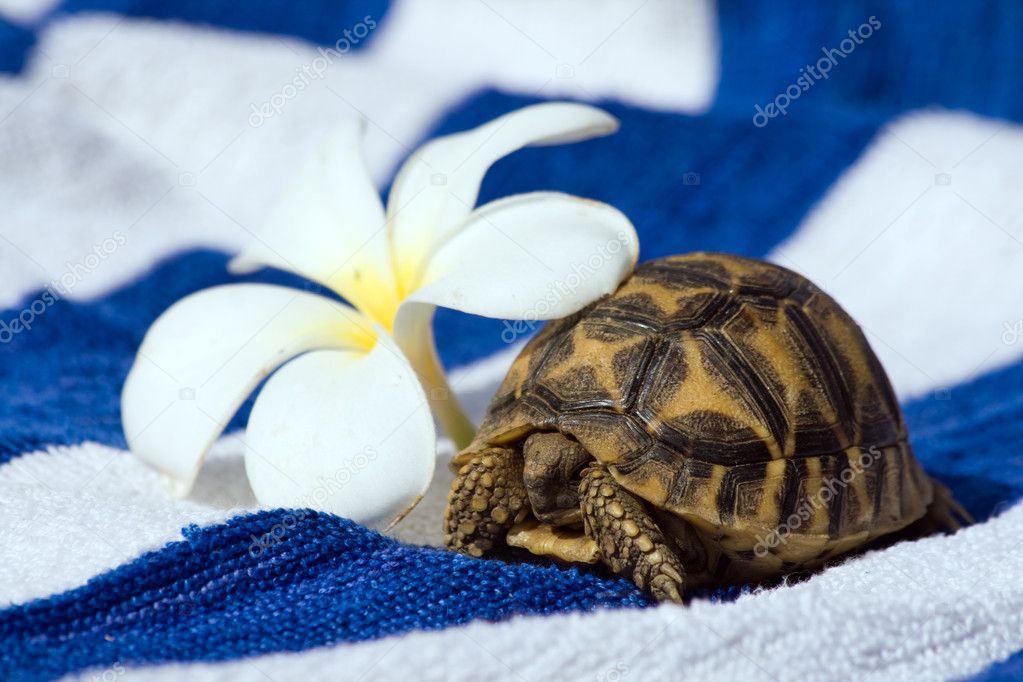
[{"x": 734, "y": 394}]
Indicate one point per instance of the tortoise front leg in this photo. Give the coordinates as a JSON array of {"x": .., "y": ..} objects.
[
  {"x": 486, "y": 499},
  {"x": 629, "y": 540}
]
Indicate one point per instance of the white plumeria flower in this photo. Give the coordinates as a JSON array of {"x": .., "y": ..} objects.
[{"x": 345, "y": 426}]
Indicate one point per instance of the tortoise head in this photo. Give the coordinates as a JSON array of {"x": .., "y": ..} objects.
[{"x": 552, "y": 472}]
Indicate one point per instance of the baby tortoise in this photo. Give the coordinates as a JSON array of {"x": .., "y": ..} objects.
[{"x": 717, "y": 420}]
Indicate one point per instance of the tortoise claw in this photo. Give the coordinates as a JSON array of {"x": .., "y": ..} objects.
[
  {"x": 629, "y": 539},
  {"x": 666, "y": 589}
]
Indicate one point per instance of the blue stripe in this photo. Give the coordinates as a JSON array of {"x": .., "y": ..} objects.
[
  {"x": 15, "y": 42},
  {"x": 1009, "y": 670},
  {"x": 968, "y": 438},
  {"x": 279, "y": 581},
  {"x": 953, "y": 54},
  {"x": 323, "y": 22},
  {"x": 61, "y": 378}
]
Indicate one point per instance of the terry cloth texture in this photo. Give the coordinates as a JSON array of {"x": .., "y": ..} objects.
[
  {"x": 274, "y": 571},
  {"x": 891, "y": 178}
]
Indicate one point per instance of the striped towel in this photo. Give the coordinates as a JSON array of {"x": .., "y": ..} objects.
[{"x": 873, "y": 147}]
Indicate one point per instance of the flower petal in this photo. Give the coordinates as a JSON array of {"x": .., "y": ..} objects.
[
  {"x": 344, "y": 432},
  {"x": 437, "y": 187},
  {"x": 329, "y": 226},
  {"x": 417, "y": 343},
  {"x": 535, "y": 256},
  {"x": 205, "y": 355}
]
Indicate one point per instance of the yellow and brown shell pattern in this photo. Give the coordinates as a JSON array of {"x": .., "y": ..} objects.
[{"x": 734, "y": 394}]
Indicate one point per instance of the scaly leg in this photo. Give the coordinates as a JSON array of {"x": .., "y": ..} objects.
[
  {"x": 629, "y": 540},
  {"x": 486, "y": 499}
]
